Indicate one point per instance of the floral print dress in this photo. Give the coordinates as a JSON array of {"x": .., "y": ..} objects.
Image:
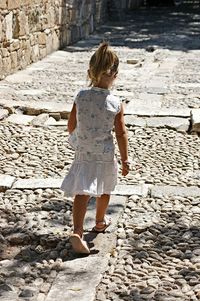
[{"x": 94, "y": 169}]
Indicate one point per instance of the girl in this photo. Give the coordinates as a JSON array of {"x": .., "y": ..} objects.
[{"x": 94, "y": 170}]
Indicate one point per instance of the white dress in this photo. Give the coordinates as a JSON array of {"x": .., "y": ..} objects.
[{"x": 94, "y": 169}]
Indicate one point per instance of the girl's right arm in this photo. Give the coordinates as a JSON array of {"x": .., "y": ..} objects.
[
  {"x": 122, "y": 140},
  {"x": 72, "y": 120}
]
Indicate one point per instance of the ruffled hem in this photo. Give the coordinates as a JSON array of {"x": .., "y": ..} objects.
[{"x": 92, "y": 178}]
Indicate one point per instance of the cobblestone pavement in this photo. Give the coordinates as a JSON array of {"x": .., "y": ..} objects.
[{"x": 153, "y": 250}]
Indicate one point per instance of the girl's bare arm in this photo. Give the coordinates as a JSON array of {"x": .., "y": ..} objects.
[
  {"x": 122, "y": 140},
  {"x": 72, "y": 119}
]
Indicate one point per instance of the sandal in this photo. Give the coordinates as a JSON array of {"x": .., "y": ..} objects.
[
  {"x": 102, "y": 226},
  {"x": 78, "y": 244}
]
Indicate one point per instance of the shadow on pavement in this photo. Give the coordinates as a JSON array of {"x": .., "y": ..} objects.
[{"x": 174, "y": 28}]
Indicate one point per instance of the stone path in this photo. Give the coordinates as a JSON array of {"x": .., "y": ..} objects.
[{"x": 152, "y": 250}]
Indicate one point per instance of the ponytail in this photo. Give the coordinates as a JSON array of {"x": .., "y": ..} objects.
[{"x": 104, "y": 60}]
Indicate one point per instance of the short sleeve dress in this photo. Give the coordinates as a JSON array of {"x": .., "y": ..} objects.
[{"x": 94, "y": 169}]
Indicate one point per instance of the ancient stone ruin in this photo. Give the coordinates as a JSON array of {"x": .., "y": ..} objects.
[{"x": 29, "y": 30}]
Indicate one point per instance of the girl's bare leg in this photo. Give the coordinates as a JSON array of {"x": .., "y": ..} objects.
[
  {"x": 101, "y": 206},
  {"x": 79, "y": 210}
]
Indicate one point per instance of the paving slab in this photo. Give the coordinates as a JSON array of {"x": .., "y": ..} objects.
[
  {"x": 135, "y": 121},
  {"x": 6, "y": 182},
  {"x": 145, "y": 111},
  {"x": 162, "y": 191},
  {"x": 179, "y": 124},
  {"x": 141, "y": 190},
  {"x": 37, "y": 183},
  {"x": 78, "y": 280}
]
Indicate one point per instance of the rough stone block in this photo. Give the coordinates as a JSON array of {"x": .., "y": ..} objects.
[
  {"x": 14, "y": 45},
  {"x": 40, "y": 119},
  {"x": 7, "y": 64},
  {"x": 6, "y": 182},
  {"x": 35, "y": 52},
  {"x": 195, "y": 114},
  {"x": 20, "y": 119},
  {"x": 14, "y": 60},
  {"x": 3, "y": 4},
  {"x": 23, "y": 24},
  {"x": 12, "y": 4},
  {"x": 3, "y": 113},
  {"x": 1, "y": 31},
  {"x": 42, "y": 38},
  {"x": 9, "y": 26}
]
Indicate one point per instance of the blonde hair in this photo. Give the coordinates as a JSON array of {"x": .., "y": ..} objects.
[{"x": 103, "y": 61}]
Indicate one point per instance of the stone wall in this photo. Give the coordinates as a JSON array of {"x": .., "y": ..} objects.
[{"x": 31, "y": 29}]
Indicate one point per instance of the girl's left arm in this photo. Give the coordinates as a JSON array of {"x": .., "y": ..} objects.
[{"x": 72, "y": 120}]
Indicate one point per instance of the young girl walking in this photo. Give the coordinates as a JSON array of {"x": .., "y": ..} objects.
[{"x": 94, "y": 170}]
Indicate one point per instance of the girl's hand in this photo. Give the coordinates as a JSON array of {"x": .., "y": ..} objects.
[{"x": 125, "y": 167}]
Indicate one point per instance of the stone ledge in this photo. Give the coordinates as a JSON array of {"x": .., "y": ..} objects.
[
  {"x": 6, "y": 182},
  {"x": 162, "y": 191}
]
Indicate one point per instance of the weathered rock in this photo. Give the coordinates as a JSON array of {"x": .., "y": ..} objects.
[
  {"x": 195, "y": 114},
  {"x": 40, "y": 120},
  {"x": 20, "y": 119},
  {"x": 6, "y": 182},
  {"x": 3, "y": 113}
]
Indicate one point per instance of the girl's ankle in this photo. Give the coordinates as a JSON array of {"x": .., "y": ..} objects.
[{"x": 79, "y": 232}]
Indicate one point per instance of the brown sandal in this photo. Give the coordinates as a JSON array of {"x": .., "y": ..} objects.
[
  {"x": 78, "y": 244},
  {"x": 102, "y": 226}
]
